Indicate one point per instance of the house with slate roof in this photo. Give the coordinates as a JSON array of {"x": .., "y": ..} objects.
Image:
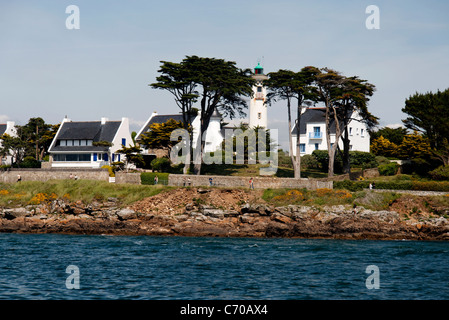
[
  {"x": 7, "y": 128},
  {"x": 214, "y": 133},
  {"x": 89, "y": 144},
  {"x": 313, "y": 132}
]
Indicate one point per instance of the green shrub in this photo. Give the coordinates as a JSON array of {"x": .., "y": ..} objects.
[
  {"x": 440, "y": 173},
  {"x": 309, "y": 162},
  {"x": 362, "y": 159},
  {"x": 160, "y": 164},
  {"x": 394, "y": 185},
  {"x": 389, "y": 169},
  {"x": 147, "y": 178}
]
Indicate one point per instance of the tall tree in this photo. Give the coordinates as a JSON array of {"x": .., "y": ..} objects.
[
  {"x": 428, "y": 113},
  {"x": 222, "y": 86},
  {"x": 288, "y": 85},
  {"x": 38, "y": 136},
  {"x": 176, "y": 79},
  {"x": 353, "y": 101},
  {"x": 329, "y": 83}
]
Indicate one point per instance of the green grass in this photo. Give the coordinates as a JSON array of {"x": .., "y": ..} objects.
[{"x": 79, "y": 190}]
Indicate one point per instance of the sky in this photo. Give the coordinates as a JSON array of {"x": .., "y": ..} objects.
[{"x": 103, "y": 69}]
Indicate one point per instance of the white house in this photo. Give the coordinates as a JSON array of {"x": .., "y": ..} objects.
[
  {"x": 313, "y": 132},
  {"x": 80, "y": 144},
  {"x": 10, "y": 129},
  {"x": 213, "y": 137}
]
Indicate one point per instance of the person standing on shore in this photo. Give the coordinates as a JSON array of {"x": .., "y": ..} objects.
[{"x": 251, "y": 183}]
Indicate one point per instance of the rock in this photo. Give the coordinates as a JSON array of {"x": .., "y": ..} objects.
[
  {"x": 216, "y": 213},
  {"x": 280, "y": 218},
  {"x": 13, "y": 213},
  {"x": 203, "y": 190},
  {"x": 125, "y": 214},
  {"x": 261, "y": 209}
]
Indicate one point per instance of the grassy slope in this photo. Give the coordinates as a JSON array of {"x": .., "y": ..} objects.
[{"x": 80, "y": 190}]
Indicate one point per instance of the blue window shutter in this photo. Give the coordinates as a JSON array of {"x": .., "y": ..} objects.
[
  {"x": 118, "y": 157},
  {"x": 124, "y": 141},
  {"x": 95, "y": 157},
  {"x": 105, "y": 157},
  {"x": 113, "y": 157}
]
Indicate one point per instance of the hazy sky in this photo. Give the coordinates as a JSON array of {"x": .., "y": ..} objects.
[{"x": 103, "y": 69}]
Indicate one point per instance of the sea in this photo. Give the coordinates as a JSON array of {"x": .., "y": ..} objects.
[{"x": 104, "y": 267}]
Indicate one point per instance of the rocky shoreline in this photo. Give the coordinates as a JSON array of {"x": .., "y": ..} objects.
[{"x": 248, "y": 219}]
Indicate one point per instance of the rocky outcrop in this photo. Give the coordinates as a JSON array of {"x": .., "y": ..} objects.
[{"x": 194, "y": 219}]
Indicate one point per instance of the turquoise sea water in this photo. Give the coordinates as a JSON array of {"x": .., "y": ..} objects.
[{"x": 34, "y": 266}]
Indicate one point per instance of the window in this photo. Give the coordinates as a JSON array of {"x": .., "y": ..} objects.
[
  {"x": 302, "y": 147},
  {"x": 317, "y": 145},
  {"x": 362, "y": 133},
  {"x": 76, "y": 143},
  {"x": 350, "y": 131},
  {"x": 259, "y": 89},
  {"x": 89, "y": 142},
  {"x": 69, "y": 143},
  {"x": 259, "y": 115},
  {"x": 72, "y": 157},
  {"x": 83, "y": 143},
  {"x": 62, "y": 143},
  {"x": 124, "y": 141}
]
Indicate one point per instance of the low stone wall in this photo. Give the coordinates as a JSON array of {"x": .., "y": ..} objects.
[
  {"x": 130, "y": 177},
  {"x": 259, "y": 182},
  {"x": 11, "y": 175}
]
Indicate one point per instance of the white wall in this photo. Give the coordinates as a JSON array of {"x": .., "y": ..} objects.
[{"x": 359, "y": 137}]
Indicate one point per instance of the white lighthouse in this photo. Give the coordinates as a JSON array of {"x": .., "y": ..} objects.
[{"x": 257, "y": 107}]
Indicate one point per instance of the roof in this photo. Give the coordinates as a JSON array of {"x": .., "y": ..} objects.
[
  {"x": 87, "y": 130},
  {"x": 2, "y": 128},
  {"x": 162, "y": 118},
  {"x": 313, "y": 115}
]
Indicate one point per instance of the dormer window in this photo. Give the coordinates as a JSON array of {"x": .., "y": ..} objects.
[{"x": 75, "y": 143}]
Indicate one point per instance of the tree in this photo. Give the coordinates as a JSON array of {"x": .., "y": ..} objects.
[
  {"x": 158, "y": 135},
  {"x": 288, "y": 85},
  {"x": 329, "y": 84},
  {"x": 132, "y": 156},
  {"x": 428, "y": 114},
  {"x": 222, "y": 86},
  {"x": 354, "y": 97},
  {"x": 175, "y": 78},
  {"x": 383, "y": 147},
  {"x": 215, "y": 83},
  {"x": 13, "y": 146},
  {"x": 38, "y": 136},
  {"x": 394, "y": 135}
]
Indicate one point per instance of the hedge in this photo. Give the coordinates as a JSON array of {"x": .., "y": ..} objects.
[
  {"x": 147, "y": 178},
  {"x": 394, "y": 185}
]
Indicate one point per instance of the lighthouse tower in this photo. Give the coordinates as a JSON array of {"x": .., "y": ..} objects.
[{"x": 257, "y": 108}]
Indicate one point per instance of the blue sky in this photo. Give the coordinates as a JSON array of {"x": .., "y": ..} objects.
[{"x": 104, "y": 68}]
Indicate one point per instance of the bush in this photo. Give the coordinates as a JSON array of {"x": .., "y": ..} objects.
[
  {"x": 309, "y": 162},
  {"x": 160, "y": 164},
  {"x": 147, "y": 178},
  {"x": 29, "y": 162},
  {"x": 394, "y": 185},
  {"x": 440, "y": 173},
  {"x": 362, "y": 159},
  {"x": 389, "y": 169}
]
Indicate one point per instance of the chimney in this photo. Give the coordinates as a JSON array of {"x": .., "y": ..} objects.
[{"x": 104, "y": 120}]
